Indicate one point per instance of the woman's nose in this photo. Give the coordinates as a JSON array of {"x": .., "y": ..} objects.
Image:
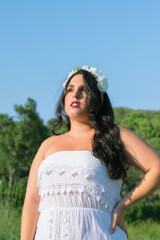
[{"x": 76, "y": 94}]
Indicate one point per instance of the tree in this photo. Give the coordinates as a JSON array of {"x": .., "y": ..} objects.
[
  {"x": 30, "y": 133},
  {"x": 120, "y": 113},
  {"x": 62, "y": 130},
  {"x": 139, "y": 124},
  {"x": 19, "y": 141},
  {"x": 7, "y": 148}
]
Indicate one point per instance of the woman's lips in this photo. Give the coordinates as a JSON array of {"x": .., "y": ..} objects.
[{"x": 75, "y": 104}]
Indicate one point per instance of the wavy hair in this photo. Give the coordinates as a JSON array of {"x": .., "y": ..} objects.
[{"x": 106, "y": 144}]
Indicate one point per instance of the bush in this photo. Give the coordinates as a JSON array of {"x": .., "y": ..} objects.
[{"x": 148, "y": 208}]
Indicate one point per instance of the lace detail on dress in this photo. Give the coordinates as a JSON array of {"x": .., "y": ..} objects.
[
  {"x": 60, "y": 230},
  {"x": 92, "y": 181},
  {"x": 102, "y": 194}
]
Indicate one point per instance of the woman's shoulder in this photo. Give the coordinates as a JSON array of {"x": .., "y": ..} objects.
[
  {"x": 50, "y": 141},
  {"x": 53, "y": 144},
  {"x": 141, "y": 151},
  {"x": 45, "y": 143},
  {"x": 129, "y": 137},
  {"x": 122, "y": 128}
]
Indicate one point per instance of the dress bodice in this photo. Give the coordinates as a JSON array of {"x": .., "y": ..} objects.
[{"x": 76, "y": 179}]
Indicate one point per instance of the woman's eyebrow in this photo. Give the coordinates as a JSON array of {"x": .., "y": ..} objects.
[{"x": 71, "y": 85}]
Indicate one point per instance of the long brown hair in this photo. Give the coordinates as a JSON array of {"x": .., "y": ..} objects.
[{"x": 106, "y": 143}]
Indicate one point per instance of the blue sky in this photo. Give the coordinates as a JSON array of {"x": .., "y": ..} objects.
[{"x": 41, "y": 41}]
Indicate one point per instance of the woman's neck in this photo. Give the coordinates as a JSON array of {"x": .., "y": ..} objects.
[{"x": 79, "y": 129}]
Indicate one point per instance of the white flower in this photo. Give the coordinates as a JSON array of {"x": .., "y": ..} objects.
[{"x": 102, "y": 81}]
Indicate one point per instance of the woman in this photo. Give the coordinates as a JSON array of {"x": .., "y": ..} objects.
[{"x": 79, "y": 174}]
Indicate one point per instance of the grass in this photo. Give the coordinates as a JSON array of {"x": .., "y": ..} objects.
[
  {"x": 147, "y": 230},
  {"x": 10, "y": 219}
]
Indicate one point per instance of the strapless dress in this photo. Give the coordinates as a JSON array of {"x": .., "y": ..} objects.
[{"x": 77, "y": 198}]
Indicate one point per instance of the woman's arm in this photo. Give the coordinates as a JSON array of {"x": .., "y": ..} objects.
[
  {"x": 147, "y": 160},
  {"x": 30, "y": 212}
]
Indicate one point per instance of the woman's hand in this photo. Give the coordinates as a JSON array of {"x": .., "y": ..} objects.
[{"x": 118, "y": 218}]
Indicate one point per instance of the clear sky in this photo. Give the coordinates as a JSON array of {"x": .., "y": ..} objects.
[{"x": 41, "y": 41}]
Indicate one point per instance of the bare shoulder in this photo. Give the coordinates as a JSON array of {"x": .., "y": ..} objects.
[
  {"x": 32, "y": 190},
  {"x": 53, "y": 144},
  {"x": 125, "y": 131},
  {"x": 144, "y": 156},
  {"x": 49, "y": 141},
  {"x": 40, "y": 155},
  {"x": 130, "y": 138}
]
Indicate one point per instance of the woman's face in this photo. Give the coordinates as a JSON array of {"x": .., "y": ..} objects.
[{"x": 76, "y": 98}]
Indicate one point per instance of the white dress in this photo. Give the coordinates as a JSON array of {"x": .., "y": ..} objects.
[{"x": 77, "y": 198}]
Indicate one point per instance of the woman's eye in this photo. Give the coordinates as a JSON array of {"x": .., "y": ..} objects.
[
  {"x": 82, "y": 90},
  {"x": 68, "y": 90}
]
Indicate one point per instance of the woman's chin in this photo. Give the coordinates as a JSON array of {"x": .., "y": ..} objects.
[{"x": 76, "y": 114}]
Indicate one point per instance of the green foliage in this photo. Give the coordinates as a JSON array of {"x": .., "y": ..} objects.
[
  {"x": 62, "y": 130},
  {"x": 19, "y": 142},
  {"x": 120, "y": 113},
  {"x": 7, "y": 147},
  {"x": 16, "y": 194},
  {"x": 148, "y": 208},
  {"x": 30, "y": 132},
  {"x": 156, "y": 124},
  {"x": 144, "y": 123},
  {"x": 50, "y": 124},
  {"x": 139, "y": 124},
  {"x": 133, "y": 177},
  {"x": 147, "y": 125},
  {"x": 144, "y": 230},
  {"x": 155, "y": 143},
  {"x": 10, "y": 219}
]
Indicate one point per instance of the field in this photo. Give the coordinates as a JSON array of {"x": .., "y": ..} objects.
[{"x": 146, "y": 230}]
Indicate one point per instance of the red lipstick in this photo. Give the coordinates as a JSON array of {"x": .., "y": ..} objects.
[{"x": 75, "y": 104}]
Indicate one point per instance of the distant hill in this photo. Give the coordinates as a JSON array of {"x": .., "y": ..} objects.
[{"x": 121, "y": 113}]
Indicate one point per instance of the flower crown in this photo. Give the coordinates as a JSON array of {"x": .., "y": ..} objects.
[{"x": 102, "y": 81}]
